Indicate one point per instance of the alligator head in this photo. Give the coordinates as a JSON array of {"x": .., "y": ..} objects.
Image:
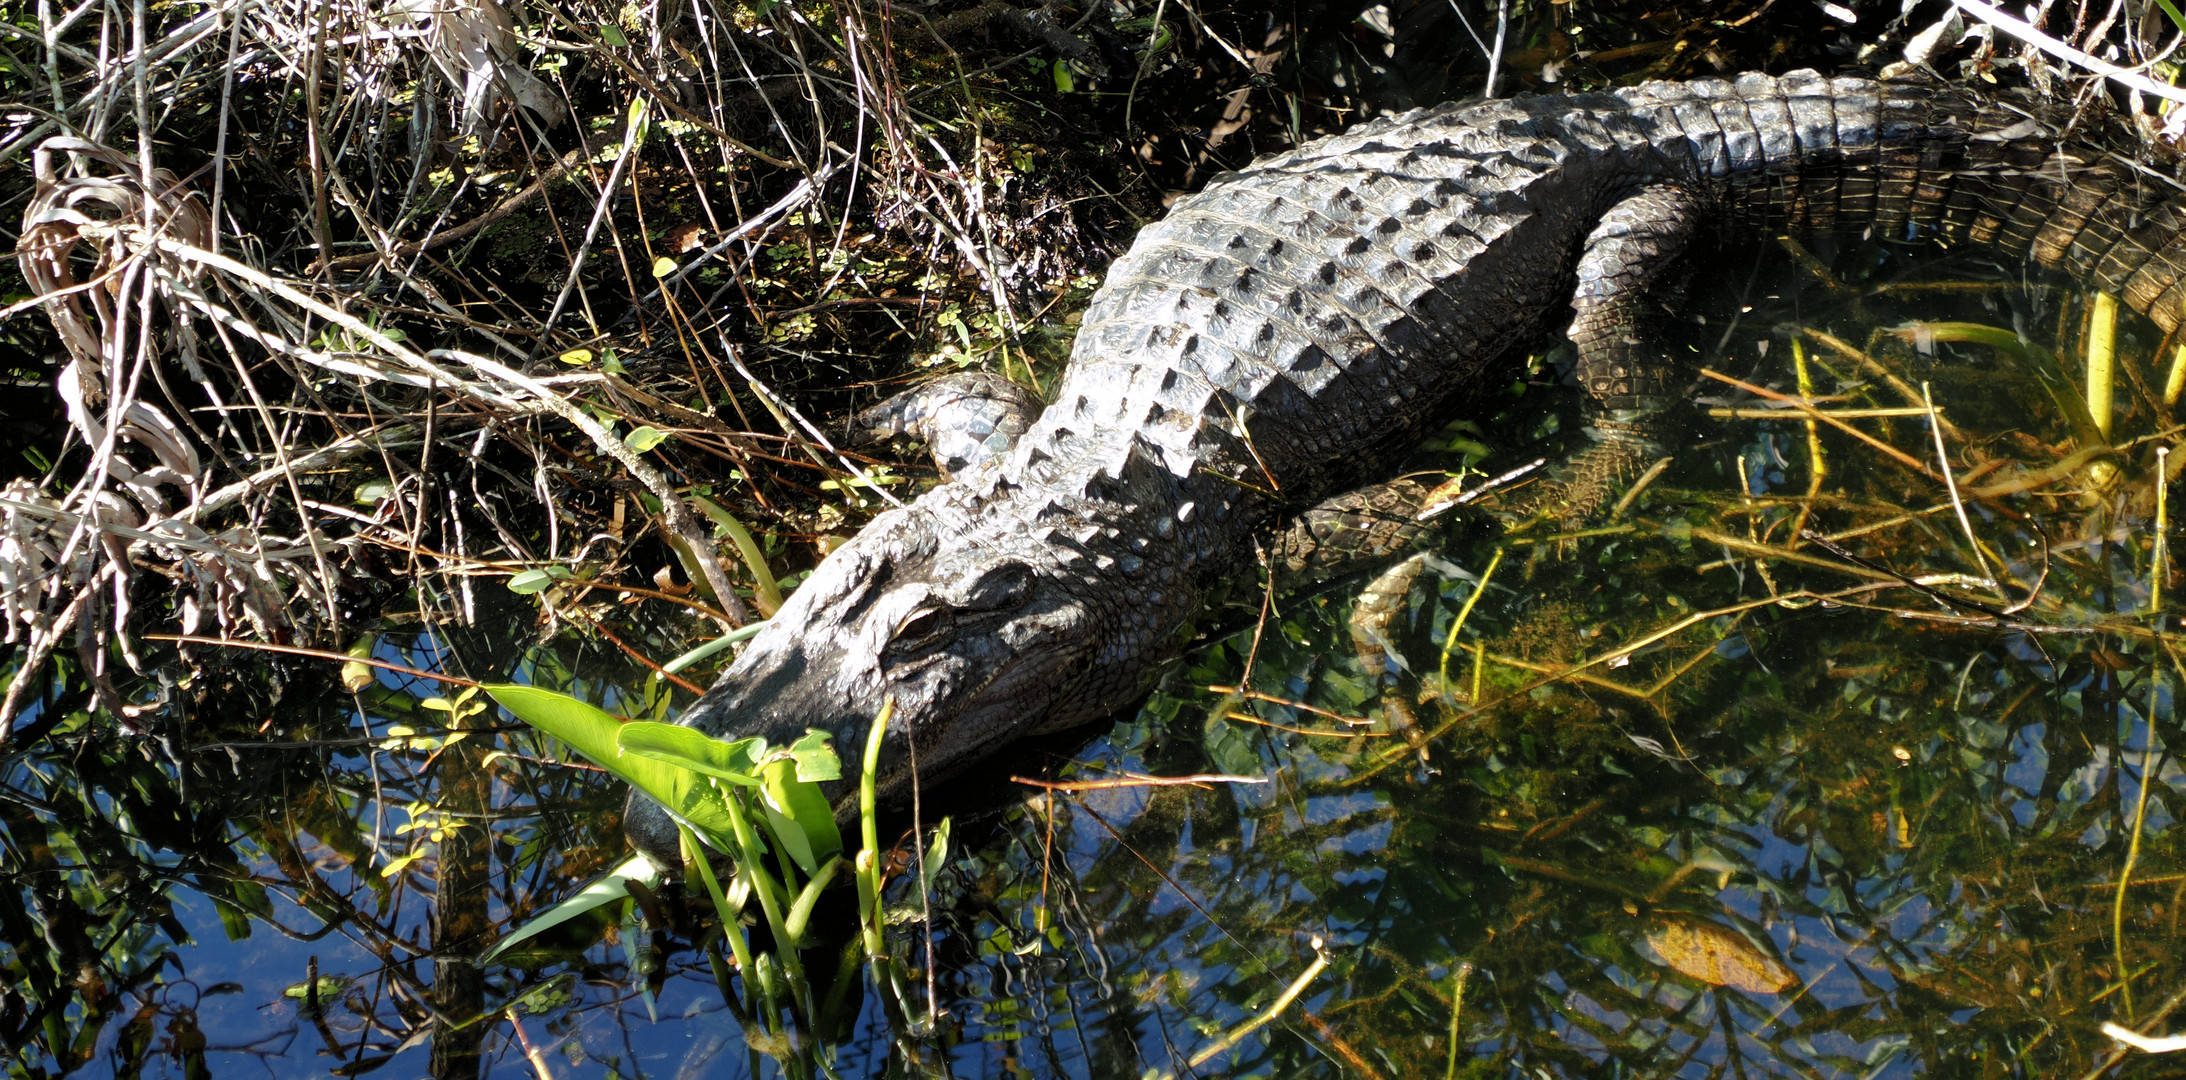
[{"x": 975, "y": 640}]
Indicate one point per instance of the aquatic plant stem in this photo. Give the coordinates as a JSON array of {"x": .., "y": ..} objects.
[
  {"x": 2102, "y": 357},
  {"x": 885, "y": 976},
  {"x": 1631, "y": 494},
  {"x": 1817, "y": 466},
  {"x": 1950, "y": 483},
  {"x": 531, "y": 1052},
  {"x": 2150, "y": 762},
  {"x": 694, "y": 854},
  {"x": 1895, "y": 454},
  {"x": 765, "y": 593},
  {"x": 753, "y": 864},
  {"x": 1450, "y": 641},
  {"x": 1274, "y": 1009},
  {"x": 1457, "y": 1011},
  {"x": 2159, "y": 560}
]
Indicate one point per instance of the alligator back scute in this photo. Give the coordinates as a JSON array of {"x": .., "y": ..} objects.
[
  {"x": 1267, "y": 337},
  {"x": 1370, "y": 274}
]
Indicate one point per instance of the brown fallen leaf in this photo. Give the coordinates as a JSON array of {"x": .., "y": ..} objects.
[{"x": 1719, "y": 956}]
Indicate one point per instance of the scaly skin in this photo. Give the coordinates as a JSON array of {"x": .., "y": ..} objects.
[{"x": 1279, "y": 333}]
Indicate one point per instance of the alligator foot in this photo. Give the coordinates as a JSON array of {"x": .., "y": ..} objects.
[{"x": 967, "y": 419}]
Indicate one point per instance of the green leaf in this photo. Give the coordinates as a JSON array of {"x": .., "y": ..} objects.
[
  {"x": 791, "y": 836},
  {"x": 601, "y": 891},
  {"x": 800, "y": 913},
  {"x": 592, "y": 733},
  {"x": 531, "y": 581},
  {"x": 644, "y": 438},
  {"x": 938, "y": 854},
  {"x": 816, "y": 760},
  {"x": 330, "y": 987},
  {"x": 611, "y": 35},
  {"x": 800, "y": 814},
  {"x": 690, "y": 748}
]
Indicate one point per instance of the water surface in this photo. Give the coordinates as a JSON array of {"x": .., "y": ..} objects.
[{"x": 1685, "y": 796}]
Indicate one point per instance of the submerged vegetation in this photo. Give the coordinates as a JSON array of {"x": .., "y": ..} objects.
[{"x": 432, "y": 349}]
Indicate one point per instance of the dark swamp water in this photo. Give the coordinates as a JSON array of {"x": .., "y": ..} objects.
[{"x": 1814, "y": 809}]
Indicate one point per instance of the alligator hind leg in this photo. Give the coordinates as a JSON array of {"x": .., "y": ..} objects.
[
  {"x": 966, "y": 419},
  {"x": 1633, "y": 267},
  {"x": 1354, "y": 531}
]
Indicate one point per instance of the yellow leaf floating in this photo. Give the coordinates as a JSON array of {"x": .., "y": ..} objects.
[{"x": 1718, "y": 956}]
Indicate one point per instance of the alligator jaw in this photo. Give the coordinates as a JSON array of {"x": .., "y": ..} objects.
[{"x": 975, "y": 645}]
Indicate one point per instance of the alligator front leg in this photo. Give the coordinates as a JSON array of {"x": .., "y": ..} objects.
[
  {"x": 1360, "y": 530},
  {"x": 1633, "y": 267},
  {"x": 966, "y": 419}
]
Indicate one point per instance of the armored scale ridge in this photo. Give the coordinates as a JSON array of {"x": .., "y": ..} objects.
[{"x": 1297, "y": 322}]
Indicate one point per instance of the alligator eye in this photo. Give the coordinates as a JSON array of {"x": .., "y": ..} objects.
[{"x": 922, "y": 628}]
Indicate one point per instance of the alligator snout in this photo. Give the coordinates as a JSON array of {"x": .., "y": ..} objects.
[{"x": 974, "y": 644}]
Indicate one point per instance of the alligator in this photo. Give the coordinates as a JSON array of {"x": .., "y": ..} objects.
[{"x": 1280, "y": 334}]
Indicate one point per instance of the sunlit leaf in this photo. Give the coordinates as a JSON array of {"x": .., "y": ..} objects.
[
  {"x": 690, "y": 748},
  {"x": 816, "y": 760},
  {"x": 1719, "y": 956},
  {"x": 937, "y": 853},
  {"x": 663, "y": 266},
  {"x": 530, "y": 581},
  {"x": 329, "y": 987},
  {"x": 577, "y": 357},
  {"x": 642, "y": 439},
  {"x": 592, "y": 733},
  {"x": 598, "y": 893},
  {"x": 799, "y": 803}
]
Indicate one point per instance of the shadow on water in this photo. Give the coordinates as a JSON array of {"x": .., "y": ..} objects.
[{"x": 1872, "y": 827}]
